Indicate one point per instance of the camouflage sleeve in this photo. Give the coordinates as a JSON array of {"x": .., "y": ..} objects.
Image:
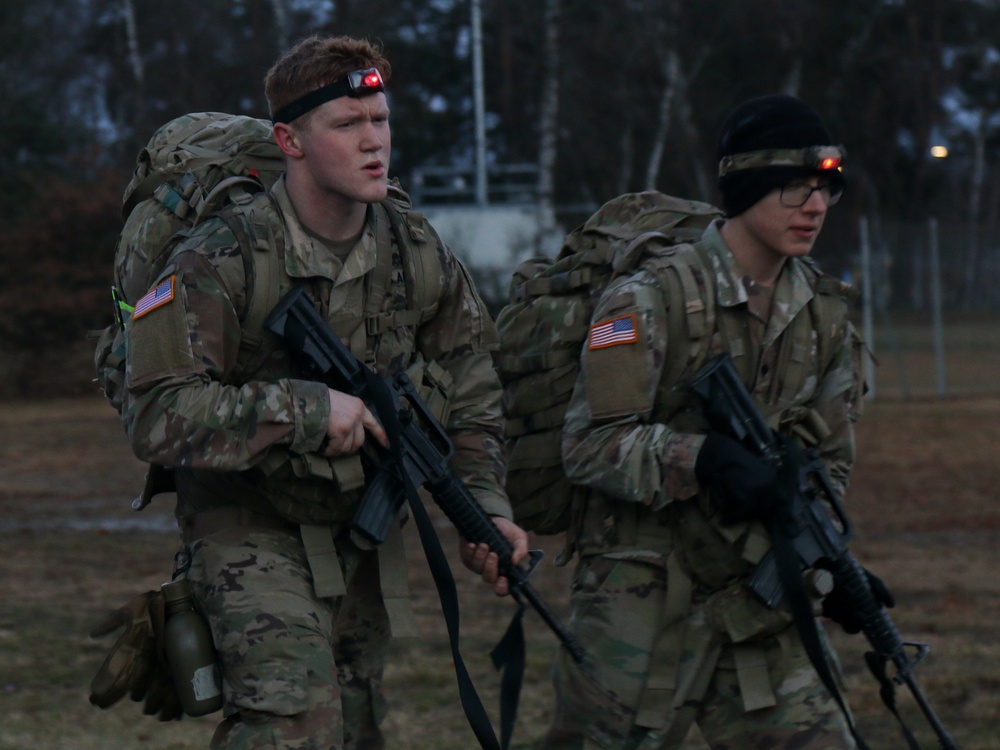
[
  {"x": 178, "y": 410},
  {"x": 609, "y": 440},
  {"x": 461, "y": 338},
  {"x": 838, "y": 402}
]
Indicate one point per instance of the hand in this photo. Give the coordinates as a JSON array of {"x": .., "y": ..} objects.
[
  {"x": 744, "y": 486},
  {"x": 479, "y": 559},
  {"x": 349, "y": 419},
  {"x": 839, "y": 605}
]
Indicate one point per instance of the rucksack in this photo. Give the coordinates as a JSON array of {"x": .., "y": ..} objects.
[
  {"x": 543, "y": 329},
  {"x": 192, "y": 167},
  {"x": 211, "y": 164}
]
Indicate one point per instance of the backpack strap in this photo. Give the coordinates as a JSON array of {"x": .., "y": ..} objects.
[
  {"x": 361, "y": 342},
  {"x": 255, "y": 223},
  {"x": 826, "y": 306},
  {"x": 387, "y": 238},
  {"x": 421, "y": 269},
  {"x": 688, "y": 284}
]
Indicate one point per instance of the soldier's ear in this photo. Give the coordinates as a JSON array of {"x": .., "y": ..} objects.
[{"x": 287, "y": 139}]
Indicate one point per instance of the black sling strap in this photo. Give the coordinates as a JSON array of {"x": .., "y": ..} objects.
[
  {"x": 789, "y": 572},
  {"x": 509, "y": 653}
]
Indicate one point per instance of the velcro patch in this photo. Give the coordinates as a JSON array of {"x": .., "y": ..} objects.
[
  {"x": 154, "y": 298},
  {"x": 613, "y": 332}
]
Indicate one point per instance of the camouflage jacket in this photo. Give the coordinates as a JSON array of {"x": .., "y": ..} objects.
[
  {"x": 634, "y": 438},
  {"x": 254, "y": 442}
]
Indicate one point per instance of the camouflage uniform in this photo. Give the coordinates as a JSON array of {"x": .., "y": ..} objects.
[
  {"x": 658, "y": 598},
  {"x": 302, "y": 657}
]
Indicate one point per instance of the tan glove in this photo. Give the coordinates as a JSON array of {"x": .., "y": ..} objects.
[{"x": 136, "y": 665}]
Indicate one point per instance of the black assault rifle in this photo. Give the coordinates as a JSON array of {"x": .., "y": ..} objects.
[
  {"x": 419, "y": 451},
  {"x": 816, "y": 539}
]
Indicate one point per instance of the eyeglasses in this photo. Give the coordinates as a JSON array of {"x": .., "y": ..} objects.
[{"x": 796, "y": 194}]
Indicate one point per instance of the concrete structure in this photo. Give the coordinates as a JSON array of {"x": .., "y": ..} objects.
[{"x": 493, "y": 238}]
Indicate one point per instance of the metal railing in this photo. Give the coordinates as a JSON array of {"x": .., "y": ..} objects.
[{"x": 508, "y": 184}]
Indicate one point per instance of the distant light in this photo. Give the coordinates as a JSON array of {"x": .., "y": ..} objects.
[{"x": 939, "y": 152}]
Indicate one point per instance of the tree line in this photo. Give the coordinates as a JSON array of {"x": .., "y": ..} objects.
[{"x": 604, "y": 97}]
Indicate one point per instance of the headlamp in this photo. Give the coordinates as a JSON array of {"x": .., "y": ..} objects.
[
  {"x": 821, "y": 158},
  {"x": 356, "y": 84}
]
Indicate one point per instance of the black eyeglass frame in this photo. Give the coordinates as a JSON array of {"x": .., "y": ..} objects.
[{"x": 833, "y": 198}]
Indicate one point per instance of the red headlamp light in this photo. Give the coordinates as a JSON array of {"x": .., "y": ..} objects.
[{"x": 357, "y": 83}]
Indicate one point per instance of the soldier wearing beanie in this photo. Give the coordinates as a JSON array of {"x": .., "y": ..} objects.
[{"x": 678, "y": 516}]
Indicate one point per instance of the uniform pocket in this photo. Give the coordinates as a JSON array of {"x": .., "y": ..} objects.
[{"x": 274, "y": 687}]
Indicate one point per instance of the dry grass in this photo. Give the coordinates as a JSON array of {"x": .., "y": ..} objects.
[{"x": 923, "y": 499}]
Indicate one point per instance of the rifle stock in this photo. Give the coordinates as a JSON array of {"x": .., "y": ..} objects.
[
  {"x": 419, "y": 454},
  {"x": 819, "y": 539}
]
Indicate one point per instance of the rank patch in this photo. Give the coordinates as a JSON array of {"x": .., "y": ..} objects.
[
  {"x": 613, "y": 332},
  {"x": 154, "y": 298}
]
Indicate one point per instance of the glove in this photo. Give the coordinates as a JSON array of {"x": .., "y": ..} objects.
[
  {"x": 745, "y": 487},
  {"x": 839, "y": 604},
  {"x": 136, "y": 664}
]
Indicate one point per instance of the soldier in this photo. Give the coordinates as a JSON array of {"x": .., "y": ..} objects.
[
  {"x": 267, "y": 468},
  {"x": 673, "y": 524}
]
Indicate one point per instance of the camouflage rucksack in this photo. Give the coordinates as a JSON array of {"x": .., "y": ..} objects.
[
  {"x": 192, "y": 167},
  {"x": 543, "y": 329}
]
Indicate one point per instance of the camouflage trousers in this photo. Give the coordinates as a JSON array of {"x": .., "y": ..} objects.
[
  {"x": 616, "y": 608},
  {"x": 299, "y": 672}
]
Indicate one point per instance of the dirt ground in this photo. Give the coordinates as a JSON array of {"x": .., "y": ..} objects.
[{"x": 923, "y": 498}]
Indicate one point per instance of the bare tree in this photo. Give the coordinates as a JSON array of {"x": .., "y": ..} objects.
[
  {"x": 132, "y": 36},
  {"x": 672, "y": 76},
  {"x": 548, "y": 124},
  {"x": 280, "y": 23}
]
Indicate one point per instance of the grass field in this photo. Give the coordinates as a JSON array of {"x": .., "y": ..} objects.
[{"x": 924, "y": 500}]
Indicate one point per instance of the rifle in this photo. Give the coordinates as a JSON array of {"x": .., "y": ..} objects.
[
  {"x": 419, "y": 452},
  {"x": 817, "y": 535}
]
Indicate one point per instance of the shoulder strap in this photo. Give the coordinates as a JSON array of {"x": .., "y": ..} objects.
[
  {"x": 378, "y": 321},
  {"x": 255, "y": 223},
  {"x": 824, "y": 310},
  {"x": 421, "y": 268},
  {"x": 690, "y": 289},
  {"x": 258, "y": 229}
]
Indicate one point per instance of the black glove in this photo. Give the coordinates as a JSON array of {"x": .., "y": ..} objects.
[
  {"x": 744, "y": 487},
  {"x": 839, "y": 604}
]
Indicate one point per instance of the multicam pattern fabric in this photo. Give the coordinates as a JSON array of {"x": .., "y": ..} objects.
[
  {"x": 191, "y": 167},
  {"x": 181, "y": 412},
  {"x": 300, "y": 671},
  {"x": 658, "y": 594},
  {"x": 814, "y": 157},
  {"x": 546, "y": 323},
  {"x": 617, "y": 612}
]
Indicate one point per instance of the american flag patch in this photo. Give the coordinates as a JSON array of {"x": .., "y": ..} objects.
[
  {"x": 154, "y": 298},
  {"x": 621, "y": 330}
]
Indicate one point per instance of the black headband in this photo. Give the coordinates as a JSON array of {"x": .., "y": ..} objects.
[{"x": 357, "y": 83}]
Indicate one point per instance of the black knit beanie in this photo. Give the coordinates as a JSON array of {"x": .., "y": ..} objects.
[{"x": 774, "y": 121}]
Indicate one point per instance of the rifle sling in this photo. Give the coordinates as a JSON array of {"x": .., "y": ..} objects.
[
  {"x": 447, "y": 592},
  {"x": 789, "y": 572},
  {"x": 791, "y": 582},
  {"x": 887, "y": 692}
]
